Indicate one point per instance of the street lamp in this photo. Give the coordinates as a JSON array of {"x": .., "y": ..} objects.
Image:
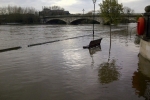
[
  {"x": 128, "y": 14},
  {"x": 83, "y": 11},
  {"x": 94, "y": 1}
]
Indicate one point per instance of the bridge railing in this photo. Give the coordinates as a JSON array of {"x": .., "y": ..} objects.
[
  {"x": 84, "y": 15},
  {"x": 58, "y": 16}
]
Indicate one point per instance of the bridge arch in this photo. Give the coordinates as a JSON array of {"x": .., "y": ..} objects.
[
  {"x": 88, "y": 19},
  {"x": 56, "y": 20}
]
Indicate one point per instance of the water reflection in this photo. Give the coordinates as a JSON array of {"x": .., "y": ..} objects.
[
  {"x": 141, "y": 79},
  {"x": 137, "y": 40},
  {"x": 93, "y": 51},
  {"x": 108, "y": 71}
]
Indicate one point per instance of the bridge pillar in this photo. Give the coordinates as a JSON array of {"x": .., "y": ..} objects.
[
  {"x": 68, "y": 22},
  {"x": 43, "y": 21}
]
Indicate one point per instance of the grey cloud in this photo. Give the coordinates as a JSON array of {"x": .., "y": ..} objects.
[
  {"x": 87, "y": 5},
  {"x": 138, "y": 5}
]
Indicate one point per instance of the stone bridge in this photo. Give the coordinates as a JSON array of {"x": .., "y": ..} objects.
[{"x": 71, "y": 18}]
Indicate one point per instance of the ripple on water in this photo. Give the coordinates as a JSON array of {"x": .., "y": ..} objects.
[{"x": 64, "y": 70}]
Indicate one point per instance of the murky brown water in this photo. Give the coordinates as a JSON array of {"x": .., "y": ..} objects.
[{"x": 63, "y": 70}]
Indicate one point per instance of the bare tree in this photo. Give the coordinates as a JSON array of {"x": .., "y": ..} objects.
[
  {"x": 90, "y": 12},
  {"x": 15, "y": 14},
  {"x": 3, "y": 10},
  {"x": 56, "y": 8},
  {"x": 127, "y": 10}
]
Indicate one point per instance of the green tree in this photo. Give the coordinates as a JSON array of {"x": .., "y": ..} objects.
[{"x": 111, "y": 11}]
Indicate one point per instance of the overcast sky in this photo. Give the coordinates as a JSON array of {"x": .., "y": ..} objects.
[{"x": 74, "y": 6}]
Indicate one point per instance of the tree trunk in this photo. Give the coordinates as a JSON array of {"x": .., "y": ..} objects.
[{"x": 110, "y": 35}]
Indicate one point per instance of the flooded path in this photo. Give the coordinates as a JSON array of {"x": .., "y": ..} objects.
[{"x": 63, "y": 70}]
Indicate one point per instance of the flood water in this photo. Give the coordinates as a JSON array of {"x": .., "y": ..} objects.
[{"x": 60, "y": 69}]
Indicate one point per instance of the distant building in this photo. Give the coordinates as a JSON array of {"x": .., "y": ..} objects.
[{"x": 49, "y": 12}]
